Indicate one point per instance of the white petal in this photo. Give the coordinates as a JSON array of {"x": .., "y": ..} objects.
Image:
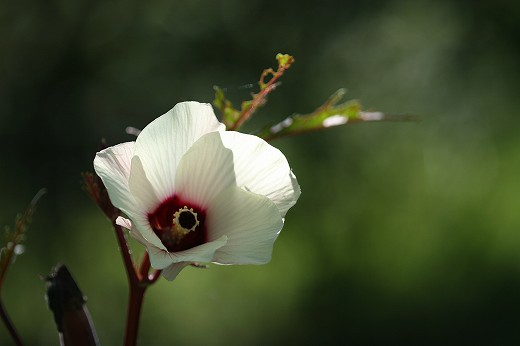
[
  {"x": 262, "y": 169},
  {"x": 123, "y": 222},
  {"x": 205, "y": 170},
  {"x": 126, "y": 223},
  {"x": 162, "y": 143},
  {"x": 250, "y": 221},
  {"x": 161, "y": 259},
  {"x": 141, "y": 231},
  {"x": 146, "y": 199},
  {"x": 173, "y": 270},
  {"x": 141, "y": 188},
  {"x": 112, "y": 165}
]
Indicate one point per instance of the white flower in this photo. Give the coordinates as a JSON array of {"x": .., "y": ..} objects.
[{"x": 194, "y": 192}]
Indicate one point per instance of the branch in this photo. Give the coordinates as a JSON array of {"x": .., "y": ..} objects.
[
  {"x": 330, "y": 114},
  {"x": 8, "y": 253},
  {"x": 234, "y": 118}
]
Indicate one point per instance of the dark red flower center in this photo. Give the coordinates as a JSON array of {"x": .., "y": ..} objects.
[{"x": 179, "y": 224}]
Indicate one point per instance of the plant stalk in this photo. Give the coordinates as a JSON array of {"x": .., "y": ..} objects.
[{"x": 9, "y": 325}]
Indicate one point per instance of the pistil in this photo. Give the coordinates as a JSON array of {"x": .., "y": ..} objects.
[{"x": 184, "y": 221}]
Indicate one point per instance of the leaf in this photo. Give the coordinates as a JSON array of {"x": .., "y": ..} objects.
[
  {"x": 330, "y": 114},
  {"x": 229, "y": 114}
]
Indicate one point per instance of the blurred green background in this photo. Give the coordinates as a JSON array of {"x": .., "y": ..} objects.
[{"x": 405, "y": 233}]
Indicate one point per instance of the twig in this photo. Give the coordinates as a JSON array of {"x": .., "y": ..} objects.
[{"x": 9, "y": 325}]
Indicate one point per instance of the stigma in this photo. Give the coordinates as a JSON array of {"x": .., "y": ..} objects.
[{"x": 184, "y": 221}]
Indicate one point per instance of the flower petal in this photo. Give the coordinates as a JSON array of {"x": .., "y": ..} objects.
[
  {"x": 161, "y": 259},
  {"x": 112, "y": 165},
  {"x": 141, "y": 188},
  {"x": 173, "y": 270},
  {"x": 164, "y": 141},
  {"x": 145, "y": 196},
  {"x": 262, "y": 169},
  {"x": 250, "y": 221},
  {"x": 205, "y": 170},
  {"x": 126, "y": 223},
  {"x": 140, "y": 231}
]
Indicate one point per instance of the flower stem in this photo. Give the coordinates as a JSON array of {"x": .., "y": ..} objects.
[
  {"x": 135, "y": 302},
  {"x": 284, "y": 62},
  {"x": 126, "y": 254},
  {"x": 145, "y": 268},
  {"x": 9, "y": 325},
  {"x": 138, "y": 278},
  {"x": 136, "y": 294},
  {"x": 138, "y": 281}
]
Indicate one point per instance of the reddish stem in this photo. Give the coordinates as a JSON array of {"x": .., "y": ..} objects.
[
  {"x": 135, "y": 302},
  {"x": 154, "y": 276},
  {"x": 127, "y": 258},
  {"x": 259, "y": 98},
  {"x": 138, "y": 280},
  {"x": 3, "y": 313},
  {"x": 9, "y": 325},
  {"x": 145, "y": 268},
  {"x": 136, "y": 295}
]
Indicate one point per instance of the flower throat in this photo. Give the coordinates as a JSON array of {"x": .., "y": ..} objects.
[{"x": 178, "y": 224}]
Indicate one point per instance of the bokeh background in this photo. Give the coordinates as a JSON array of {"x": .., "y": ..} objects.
[{"x": 406, "y": 233}]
